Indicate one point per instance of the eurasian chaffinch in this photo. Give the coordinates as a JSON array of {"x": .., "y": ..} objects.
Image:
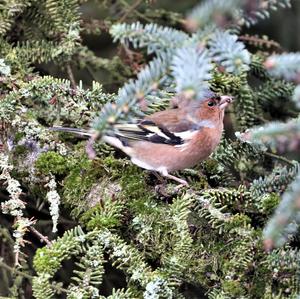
[{"x": 173, "y": 139}]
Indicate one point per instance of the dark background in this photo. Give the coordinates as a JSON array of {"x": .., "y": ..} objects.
[{"x": 282, "y": 26}]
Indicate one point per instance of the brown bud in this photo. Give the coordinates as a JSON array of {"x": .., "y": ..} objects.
[
  {"x": 190, "y": 24},
  {"x": 268, "y": 245},
  {"x": 269, "y": 63}
]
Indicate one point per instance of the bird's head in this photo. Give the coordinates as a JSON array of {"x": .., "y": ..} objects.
[{"x": 213, "y": 108}]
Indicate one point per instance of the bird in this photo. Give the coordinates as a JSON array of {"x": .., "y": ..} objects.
[{"x": 170, "y": 140}]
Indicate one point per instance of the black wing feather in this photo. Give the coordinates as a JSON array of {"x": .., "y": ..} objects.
[{"x": 146, "y": 130}]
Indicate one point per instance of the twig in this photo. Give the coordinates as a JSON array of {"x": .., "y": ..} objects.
[
  {"x": 261, "y": 41},
  {"x": 279, "y": 158},
  {"x": 17, "y": 254},
  {"x": 61, "y": 221},
  {"x": 132, "y": 8},
  {"x": 71, "y": 76},
  {"x": 40, "y": 236}
]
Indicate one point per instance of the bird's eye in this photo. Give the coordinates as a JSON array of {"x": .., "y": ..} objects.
[{"x": 211, "y": 103}]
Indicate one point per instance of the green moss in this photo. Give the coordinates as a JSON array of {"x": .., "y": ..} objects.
[
  {"x": 52, "y": 162},
  {"x": 135, "y": 190},
  {"x": 106, "y": 205},
  {"x": 114, "y": 164},
  {"x": 20, "y": 150},
  {"x": 133, "y": 182},
  {"x": 234, "y": 288},
  {"x": 83, "y": 174}
]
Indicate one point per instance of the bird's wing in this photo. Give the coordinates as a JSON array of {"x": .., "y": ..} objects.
[
  {"x": 165, "y": 127},
  {"x": 172, "y": 120},
  {"x": 151, "y": 129},
  {"x": 146, "y": 130}
]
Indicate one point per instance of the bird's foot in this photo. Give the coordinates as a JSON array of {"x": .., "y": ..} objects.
[
  {"x": 163, "y": 189},
  {"x": 180, "y": 181}
]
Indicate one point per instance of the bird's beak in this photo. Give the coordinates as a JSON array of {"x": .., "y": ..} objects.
[{"x": 225, "y": 101}]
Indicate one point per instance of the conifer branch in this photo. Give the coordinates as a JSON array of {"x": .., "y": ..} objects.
[
  {"x": 155, "y": 38},
  {"x": 191, "y": 69},
  {"x": 285, "y": 66},
  {"x": 132, "y": 94},
  {"x": 231, "y": 54},
  {"x": 284, "y": 224},
  {"x": 275, "y": 135}
]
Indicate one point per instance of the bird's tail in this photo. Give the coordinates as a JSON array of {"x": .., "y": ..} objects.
[
  {"x": 113, "y": 141},
  {"x": 76, "y": 131}
]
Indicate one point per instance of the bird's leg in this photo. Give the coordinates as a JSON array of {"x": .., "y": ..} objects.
[
  {"x": 158, "y": 176},
  {"x": 181, "y": 181},
  {"x": 174, "y": 178}
]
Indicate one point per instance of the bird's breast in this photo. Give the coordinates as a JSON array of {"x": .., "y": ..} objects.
[{"x": 200, "y": 147}]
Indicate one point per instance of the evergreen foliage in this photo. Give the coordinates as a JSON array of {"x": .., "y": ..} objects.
[
  {"x": 229, "y": 53},
  {"x": 238, "y": 12},
  {"x": 191, "y": 79},
  {"x": 104, "y": 228},
  {"x": 156, "y": 38}
]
